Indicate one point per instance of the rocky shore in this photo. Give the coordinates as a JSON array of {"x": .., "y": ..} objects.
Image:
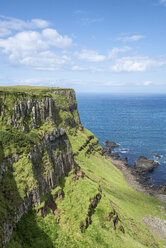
[
  {"x": 139, "y": 180},
  {"x": 137, "y": 175}
]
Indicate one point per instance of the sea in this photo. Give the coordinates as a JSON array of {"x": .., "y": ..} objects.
[{"x": 136, "y": 122}]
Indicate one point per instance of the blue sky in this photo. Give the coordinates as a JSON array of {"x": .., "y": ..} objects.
[{"x": 89, "y": 45}]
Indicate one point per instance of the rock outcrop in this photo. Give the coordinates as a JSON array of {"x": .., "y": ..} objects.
[
  {"x": 35, "y": 149},
  {"x": 110, "y": 144},
  {"x": 145, "y": 165}
]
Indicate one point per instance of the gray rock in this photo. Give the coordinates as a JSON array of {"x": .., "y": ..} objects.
[
  {"x": 145, "y": 165},
  {"x": 115, "y": 156},
  {"x": 158, "y": 156},
  {"x": 111, "y": 144},
  {"x": 125, "y": 161}
]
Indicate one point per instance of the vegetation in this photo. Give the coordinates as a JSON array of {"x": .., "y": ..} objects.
[
  {"x": 63, "y": 229},
  {"x": 29, "y": 89},
  {"x": 67, "y": 225}
]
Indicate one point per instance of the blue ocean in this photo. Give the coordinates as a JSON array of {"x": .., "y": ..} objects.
[{"x": 136, "y": 122}]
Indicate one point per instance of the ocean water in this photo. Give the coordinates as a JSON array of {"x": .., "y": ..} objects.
[{"x": 136, "y": 122}]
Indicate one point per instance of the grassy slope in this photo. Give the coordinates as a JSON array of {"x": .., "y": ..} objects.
[
  {"x": 63, "y": 230},
  {"x": 30, "y": 89}
]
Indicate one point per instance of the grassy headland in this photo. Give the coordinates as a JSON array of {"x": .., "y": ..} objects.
[{"x": 98, "y": 209}]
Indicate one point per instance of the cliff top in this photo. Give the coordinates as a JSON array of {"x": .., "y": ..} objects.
[{"x": 30, "y": 89}]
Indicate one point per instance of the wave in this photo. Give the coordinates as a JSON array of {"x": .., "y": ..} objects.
[{"x": 122, "y": 150}]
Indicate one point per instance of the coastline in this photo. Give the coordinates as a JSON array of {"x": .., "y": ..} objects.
[
  {"x": 155, "y": 225},
  {"x": 149, "y": 190}
]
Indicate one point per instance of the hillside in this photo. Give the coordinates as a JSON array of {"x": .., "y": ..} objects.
[{"x": 56, "y": 187}]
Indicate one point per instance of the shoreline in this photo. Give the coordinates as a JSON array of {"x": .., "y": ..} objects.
[
  {"x": 155, "y": 225},
  {"x": 149, "y": 190}
]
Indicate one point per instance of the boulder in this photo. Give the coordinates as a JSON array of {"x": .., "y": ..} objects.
[
  {"x": 145, "y": 165},
  {"x": 158, "y": 156},
  {"x": 105, "y": 151},
  {"x": 115, "y": 156},
  {"x": 111, "y": 144},
  {"x": 125, "y": 160}
]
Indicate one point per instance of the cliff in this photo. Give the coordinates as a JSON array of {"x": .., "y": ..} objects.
[
  {"x": 57, "y": 186},
  {"x": 35, "y": 150}
]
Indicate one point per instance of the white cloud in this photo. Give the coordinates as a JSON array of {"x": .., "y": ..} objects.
[
  {"x": 55, "y": 39},
  {"x": 147, "y": 83},
  {"x": 38, "y": 23},
  {"x": 9, "y": 24},
  {"x": 23, "y": 42},
  {"x": 136, "y": 63},
  {"x": 36, "y": 49},
  {"x": 79, "y": 12},
  {"x": 78, "y": 68},
  {"x": 87, "y": 68},
  {"x": 90, "y": 55},
  {"x": 131, "y": 38},
  {"x": 114, "y": 84},
  {"x": 46, "y": 60},
  {"x": 114, "y": 52},
  {"x": 87, "y": 21}
]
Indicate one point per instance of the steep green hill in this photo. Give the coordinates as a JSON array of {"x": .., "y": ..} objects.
[{"x": 87, "y": 205}]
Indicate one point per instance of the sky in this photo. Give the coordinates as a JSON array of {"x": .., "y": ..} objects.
[{"x": 102, "y": 46}]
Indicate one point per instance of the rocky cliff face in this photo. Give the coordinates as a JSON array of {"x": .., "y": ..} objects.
[{"x": 35, "y": 149}]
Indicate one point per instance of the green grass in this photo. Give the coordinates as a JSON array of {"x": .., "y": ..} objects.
[
  {"x": 24, "y": 176},
  {"x": 29, "y": 89},
  {"x": 66, "y": 113},
  {"x": 15, "y": 141},
  {"x": 63, "y": 230}
]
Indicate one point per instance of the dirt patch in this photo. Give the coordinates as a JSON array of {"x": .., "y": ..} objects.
[{"x": 156, "y": 226}]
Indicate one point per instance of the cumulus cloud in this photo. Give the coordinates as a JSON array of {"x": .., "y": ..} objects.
[
  {"x": 115, "y": 51},
  {"x": 135, "y": 63},
  {"x": 53, "y": 38},
  {"x": 36, "y": 49},
  {"x": 87, "y": 68},
  {"x": 147, "y": 83},
  {"x": 131, "y": 38},
  {"x": 45, "y": 60},
  {"x": 90, "y": 55},
  {"x": 9, "y": 24}
]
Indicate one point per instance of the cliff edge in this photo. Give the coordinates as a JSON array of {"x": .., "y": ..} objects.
[
  {"x": 35, "y": 149},
  {"x": 57, "y": 186}
]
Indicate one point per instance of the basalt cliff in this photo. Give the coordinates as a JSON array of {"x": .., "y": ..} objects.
[
  {"x": 58, "y": 187},
  {"x": 35, "y": 150}
]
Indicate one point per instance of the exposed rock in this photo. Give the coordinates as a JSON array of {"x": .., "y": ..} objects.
[
  {"x": 121, "y": 228},
  {"x": 125, "y": 160},
  {"x": 111, "y": 144},
  {"x": 145, "y": 165},
  {"x": 78, "y": 173},
  {"x": 115, "y": 221},
  {"x": 49, "y": 159},
  {"x": 110, "y": 216},
  {"x": 158, "y": 156},
  {"x": 115, "y": 156},
  {"x": 162, "y": 189},
  {"x": 157, "y": 226},
  {"x": 49, "y": 204},
  {"x": 106, "y": 151},
  {"x": 59, "y": 194},
  {"x": 94, "y": 202},
  {"x": 86, "y": 143}
]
